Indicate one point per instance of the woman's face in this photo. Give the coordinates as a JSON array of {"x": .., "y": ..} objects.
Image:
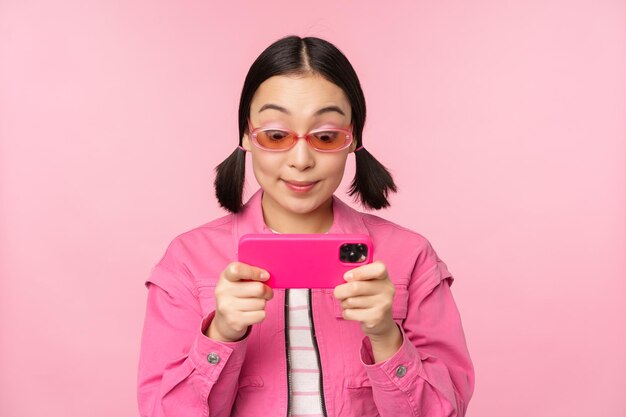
[{"x": 300, "y": 180}]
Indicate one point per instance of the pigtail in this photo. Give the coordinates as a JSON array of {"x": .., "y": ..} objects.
[
  {"x": 372, "y": 181},
  {"x": 229, "y": 180}
]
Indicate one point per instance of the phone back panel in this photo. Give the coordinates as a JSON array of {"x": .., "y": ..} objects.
[{"x": 302, "y": 260}]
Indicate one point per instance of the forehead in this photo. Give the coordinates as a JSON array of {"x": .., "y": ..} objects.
[{"x": 300, "y": 97}]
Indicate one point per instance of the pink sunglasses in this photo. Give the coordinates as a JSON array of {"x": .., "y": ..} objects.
[{"x": 274, "y": 139}]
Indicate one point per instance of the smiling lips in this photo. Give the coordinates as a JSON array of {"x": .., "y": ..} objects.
[{"x": 300, "y": 186}]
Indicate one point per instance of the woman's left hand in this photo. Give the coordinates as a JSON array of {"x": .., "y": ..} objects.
[{"x": 367, "y": 297}]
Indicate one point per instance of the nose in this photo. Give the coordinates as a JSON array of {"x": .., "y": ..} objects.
[{"x": 300, "y": 156}]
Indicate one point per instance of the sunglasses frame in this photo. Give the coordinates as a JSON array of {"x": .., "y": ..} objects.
[{"x": 254, "y": 131}]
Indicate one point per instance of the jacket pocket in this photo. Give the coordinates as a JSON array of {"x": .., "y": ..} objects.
[
  {"x": 206, "y": 295},
  {"x": 250, "y": 381},
  {"x": 358, "y": 382},
  {"x": 400, "y": 303},
  {"x": 251, "y": 399},
  {"x": 359, "y": 396}
]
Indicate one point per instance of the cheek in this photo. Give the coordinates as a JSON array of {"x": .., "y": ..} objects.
[
  {"x": 334, "y": 166},
  {"x": 265, "y": 166}
]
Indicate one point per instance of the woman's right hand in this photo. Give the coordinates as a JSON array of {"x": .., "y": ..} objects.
[{"x": 240, "y": 298}]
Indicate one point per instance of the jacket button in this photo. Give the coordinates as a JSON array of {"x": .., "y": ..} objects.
[
  {"x": 213, "y": 358},
  {"x": 401, "y": 371}
]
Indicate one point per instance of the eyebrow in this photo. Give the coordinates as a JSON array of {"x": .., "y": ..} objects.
[{"x": 317, "y": 113}]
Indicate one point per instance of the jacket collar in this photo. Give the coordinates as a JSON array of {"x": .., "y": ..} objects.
[{"x": 250, "y": 219}]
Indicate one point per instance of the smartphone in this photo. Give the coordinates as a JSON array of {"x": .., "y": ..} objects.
[{"x": 305, "y": 260}]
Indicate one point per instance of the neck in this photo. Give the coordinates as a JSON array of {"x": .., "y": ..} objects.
[{"x": 283, "y": 221}]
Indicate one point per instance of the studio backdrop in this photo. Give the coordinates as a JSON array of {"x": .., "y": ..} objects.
[{"x": 503, "y": 124}]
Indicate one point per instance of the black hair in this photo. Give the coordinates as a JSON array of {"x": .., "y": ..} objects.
[{"x": 293, "y": 55}]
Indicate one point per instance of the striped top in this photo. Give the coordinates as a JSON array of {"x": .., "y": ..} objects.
[{"x": 304, "y": 372}]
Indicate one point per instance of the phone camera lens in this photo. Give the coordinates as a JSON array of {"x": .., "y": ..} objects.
[{"x": 353, "y": 252}]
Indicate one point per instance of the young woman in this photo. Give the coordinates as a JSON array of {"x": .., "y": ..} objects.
[{"x": 217, "y": 341}]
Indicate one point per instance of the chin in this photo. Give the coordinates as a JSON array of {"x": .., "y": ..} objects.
[{"x": 302, "y": 206}]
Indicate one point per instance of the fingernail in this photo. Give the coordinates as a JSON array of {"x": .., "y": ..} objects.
[
  {"x": 348, "y": 276},
  {"x": 265, "y": 275}
]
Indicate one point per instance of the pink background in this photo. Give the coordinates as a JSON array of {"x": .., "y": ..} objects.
[{"x": 503, "y": 123}]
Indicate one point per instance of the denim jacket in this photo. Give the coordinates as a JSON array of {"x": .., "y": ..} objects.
[{"x": 184, "y": 373}]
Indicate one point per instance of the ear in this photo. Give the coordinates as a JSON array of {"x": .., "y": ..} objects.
[
  {"x": 352, "y": 146},
  {"x": 245, "y": 142}
]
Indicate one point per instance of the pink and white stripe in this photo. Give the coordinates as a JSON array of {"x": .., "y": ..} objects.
[{"x": 305, "y": 374}]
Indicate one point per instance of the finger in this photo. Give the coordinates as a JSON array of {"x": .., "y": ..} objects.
[
  {"x": 375, "y": 270},
  {"x": 248, "y": 304},
  {"x": 237, "y": 271},
  {"x": 361, "y": 302},
  {"x": 240, "y": 320},
  {"x": 252, "y": 317},
  {"x": 341, "y": 292},
  {"x": 359, "y": 314},
  {"x": 357, "y": 288},
  {"x": 251, "y": 289}
]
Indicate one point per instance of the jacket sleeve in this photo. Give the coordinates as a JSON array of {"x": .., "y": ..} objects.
[
  {"x": 181, "y": 371},
  {"x": 431, "y": 375}
]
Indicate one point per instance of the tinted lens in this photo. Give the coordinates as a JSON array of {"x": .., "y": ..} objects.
[
  {"x": 274, "y": 139},
  {"x": 328, "y": 140}
]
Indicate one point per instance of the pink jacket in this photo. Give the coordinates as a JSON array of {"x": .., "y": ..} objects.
[{"x": 184, "y": 373}]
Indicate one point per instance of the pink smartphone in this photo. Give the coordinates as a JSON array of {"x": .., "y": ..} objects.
[{"x": 305, "y": 260}]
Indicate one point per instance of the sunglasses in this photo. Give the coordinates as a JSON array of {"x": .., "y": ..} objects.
[{"x": 275, "y": 139}]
